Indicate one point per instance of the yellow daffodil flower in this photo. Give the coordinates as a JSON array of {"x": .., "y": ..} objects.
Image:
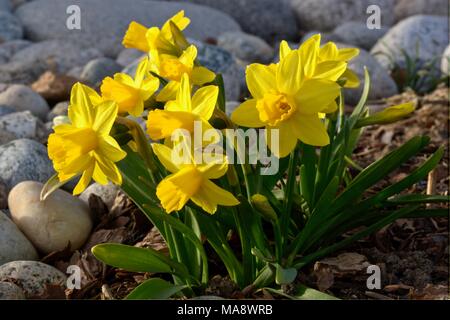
[
  {"x": 145, "y": 39},
  {"x": 130, "y": 94},
  {"x": 84, "y": 146},
  {"x": 284, "y": 98},
  {"x": 191, "y": 181},
  {"x": 183, "y": 111},
  {"x": 326, "y": 62},
  {"x": 173, "y": 68}
]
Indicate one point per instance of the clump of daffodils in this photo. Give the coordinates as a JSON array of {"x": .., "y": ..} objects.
[
  {"x": 172, "y": 92},
  {"x": 280, "y": 161}
]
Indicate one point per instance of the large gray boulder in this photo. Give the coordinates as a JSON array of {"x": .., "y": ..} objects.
[
  {"x": 424, "y": 38},
  {"x": 268, "y": 19},
  {"x": 407, "y": 8},
  {"x": 325, "y": 15},
  {"x": 104, "y": 22},
  {"x": 381, "y": 83}
]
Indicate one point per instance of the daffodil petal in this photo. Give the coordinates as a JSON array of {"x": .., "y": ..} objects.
[
  {"x": 311, "y": 130},
  {"x": 352, "y": 80},
  {"x": 330, "y": 70},
  {"x": 247, "y": 115},
  {"x": 164, "y": 155},
  {"x": 135, "y": 37},
  {"x": 80, "y": 108},
  {"x": 210, "y": 196},
  {"x": 204, "y": 101},
  {"x": 260, "y": 79},
  {"x": 169, "y": 91},
  {"x": 109, "y": 148},
  {"x": 284, "y": 49},
  {"x": 84, "y": 181},
  {"x": 315, "y": 95},
  {"x": 287, "y": 139},
  {"x": 202, "y": 75},
  {"x": 347, "y": 54},
  {"x": 105, "y": 115},
  {"x": 289, "y": 74}
]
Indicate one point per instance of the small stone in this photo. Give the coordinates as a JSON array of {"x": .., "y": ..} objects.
[
  {"x": 128, "y": 56},
  {"x": 246, "y": 47},
  {"x": 50, "y": 224},
  {"x": 9, "y": 48},
  {"x": 75, "y": 72},
  {"x": 94, "y": 72},
  {"x": 33, "y": 277},
  {"x": 21, "y": 125},
  {"x": 22, "y": 160},
  {"x": 23, "y": 98},
  {"x": 54, "y": 87},
  {"x": 10, "y": 28},
  {"x": 13, "y": 244},
  {"x": 9, "y": 291},
  {"x": 60, "y": 109},
  {"x": 358, "y": 34},
  {"x": 107, "y": 193}
]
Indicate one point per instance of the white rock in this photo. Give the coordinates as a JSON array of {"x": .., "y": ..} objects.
[
  {"x": 107, "y": 193},
  {"x": 51, "y": 224},
  {"x": 13, "y": 244},
  {"x": 21, "y": 124},
  {"x": 23, "y": 98},
  {"x": 32, "y": 276},
  {"x": 9, "y": 291},
  {"x": 445, "y": 61},
  {"x": 426, "y": 34}
]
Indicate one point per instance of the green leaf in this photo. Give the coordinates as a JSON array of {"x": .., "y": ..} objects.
[
  {"x": 306, "y": 293},
  {"x": 284, "y": 276},
  {"x": 154, "y": 288},
  {"x": 221, "y": 100},
  {"x": 418, "y": 198},
  {"x": 400, "y": 213},
  {"x": 388, "y": 115},
  {"x": 51, "y": 186},
  {"x": 136, "y": 259}
]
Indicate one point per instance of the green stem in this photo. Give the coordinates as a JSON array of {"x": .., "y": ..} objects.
[{"x": 288, "y": 196}]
